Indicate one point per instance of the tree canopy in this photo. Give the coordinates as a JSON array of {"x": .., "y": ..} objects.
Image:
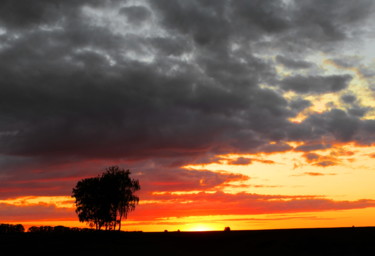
[{"x": 103, "y": 201}]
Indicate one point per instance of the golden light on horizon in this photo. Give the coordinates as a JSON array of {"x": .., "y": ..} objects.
[{"x": 202, "y": 227}]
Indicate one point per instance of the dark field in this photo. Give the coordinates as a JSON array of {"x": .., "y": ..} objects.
[{"x": 334, "y": 241}]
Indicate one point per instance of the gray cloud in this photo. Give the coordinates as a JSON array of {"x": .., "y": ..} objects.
[
  {"x": 178, "y": 80},
  {"x": 293, "y": 64},
  {"x": 20, "y": 15},
  {"x": 335, "y": 124},
  {"x": 241, "y": 161},
  {"x": 316, "y": 84},
  {"x": 136, "y": 14},
  {"x": 312, "y": 147},
  {"x": 348, "y": 98},
  {"x": 299, "y": 104}
]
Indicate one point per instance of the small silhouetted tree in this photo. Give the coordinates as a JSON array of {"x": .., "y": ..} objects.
[
  {"x": 34, "y": 229},
  {"x": 105, "y": 200},
  {"x": 19, "y": 228}
]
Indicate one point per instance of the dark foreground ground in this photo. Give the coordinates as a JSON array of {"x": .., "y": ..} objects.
[{"x": 335, "y": 241}]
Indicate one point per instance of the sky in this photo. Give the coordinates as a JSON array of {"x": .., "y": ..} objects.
[{"x": 248, "y": 114}]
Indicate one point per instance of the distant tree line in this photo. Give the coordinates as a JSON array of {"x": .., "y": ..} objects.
[
  {"x": 11, "y": 228},
  {"x": 57, "y": 229},
  {"x": 19, "y": 228}
]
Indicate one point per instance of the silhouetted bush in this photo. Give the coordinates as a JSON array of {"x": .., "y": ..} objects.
[
  {"x": 57, "y": 229},
  {"x": 41, "y": 229},
  {"x": 48, "y": 229},
  {"x": 61, "y": 229},
  {"x": 10, "y": 228},
  {"x": 33, "y": 229},
  {"x": 226, "y": 229}
]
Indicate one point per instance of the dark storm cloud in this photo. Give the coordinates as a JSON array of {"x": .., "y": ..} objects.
[
  {"x": 354, "y": 63},
  {"x": 292, "y": 25},
  {"x": 18, "y": 14},
  {"x": 62, "y": 113},
  {"x": 293, "y": 64},
  {"x": 366, "y": 134},
  {"x": 135, "y": 14},
  {"x": 171, "y": 79},
  {"x": 299, "y": 104},
  {"x": 348, "y": 98},
  {"x": 170, "y": 47},
  {"x": 316, "y": 84},
  {"x": 312, "y": 147},
  {"x": 358, "y": 111},
  {"x": 200, "y": 20},
  {"x": 330, "y": 21},
  {"x": 335, "y": 126},
  {"x": 335, "y": 123},
  {"x": 355, "y": 108}
]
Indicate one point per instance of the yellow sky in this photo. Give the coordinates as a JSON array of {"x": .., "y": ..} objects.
[{"x": 351, "y": 179}]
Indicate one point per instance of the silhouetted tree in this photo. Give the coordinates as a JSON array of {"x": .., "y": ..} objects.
[
  {"x": 105, "y": 200},
  {"x": 50, "y": 229},
  {"x": 19, "y": 228},
  {"x": 33, "y": 229},
  {"x": 61, "y": 229}
]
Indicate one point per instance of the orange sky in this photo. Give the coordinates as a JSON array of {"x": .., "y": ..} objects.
[{"x": 261, "y": 191}]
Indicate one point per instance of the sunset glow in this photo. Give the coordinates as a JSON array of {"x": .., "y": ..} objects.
[
  {"x": 201, "y": 227},
  {"x": 240, "y": 114}
]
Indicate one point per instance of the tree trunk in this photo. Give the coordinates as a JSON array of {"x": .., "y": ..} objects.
[
  {"x": 115, "y": 222},
  {"x": 121, "y": 214}
]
